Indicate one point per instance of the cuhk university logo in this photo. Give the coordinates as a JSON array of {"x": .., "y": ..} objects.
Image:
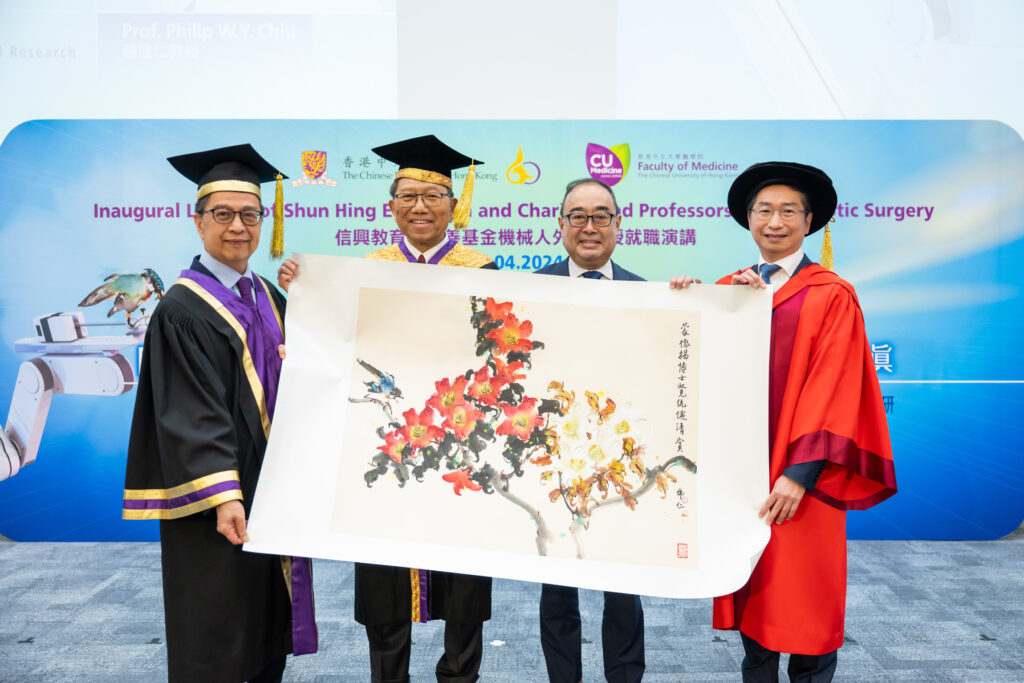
[
  {"x": 608, "y": 164},
  {"x": 314, "y": 165}
]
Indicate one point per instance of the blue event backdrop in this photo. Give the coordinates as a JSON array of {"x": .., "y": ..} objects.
[{"x": 929, "y": 231}]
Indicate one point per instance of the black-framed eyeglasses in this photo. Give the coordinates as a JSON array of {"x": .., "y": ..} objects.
[
  {"x": 432, "y": 199},
  {"x": 250, "y": 217},
  {"x": 577, "y": 219},
  {"x": 764, "y": 213}
]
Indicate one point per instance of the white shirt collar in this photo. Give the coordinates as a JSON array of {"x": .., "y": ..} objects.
[
  {"x": 788, "y": 264},
  {"x": 576, "y": 271},
  {"x": 429, "y": 253},
  {"x": 227, "y": 275}
]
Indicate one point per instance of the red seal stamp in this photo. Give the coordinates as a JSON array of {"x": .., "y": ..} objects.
[{"x": 681, "y": 551}]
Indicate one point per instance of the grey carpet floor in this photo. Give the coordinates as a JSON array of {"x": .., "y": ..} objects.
[{"x": 916, "y": 611}]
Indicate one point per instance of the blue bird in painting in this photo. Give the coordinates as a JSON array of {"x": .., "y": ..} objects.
[
  {"x": 129, "y": 291},
  {"x": 383, "y": 385}
]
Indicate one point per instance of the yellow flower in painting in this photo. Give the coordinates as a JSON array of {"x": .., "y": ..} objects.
[
  {"x": 575, "y": 423},
  {"x": 622, "y": 427},
  {"x": 597, "y": 453},
  {"x": 577, "y": 465}
]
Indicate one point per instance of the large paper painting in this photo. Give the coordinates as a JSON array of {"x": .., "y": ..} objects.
[{"x": 532, "y": 427}]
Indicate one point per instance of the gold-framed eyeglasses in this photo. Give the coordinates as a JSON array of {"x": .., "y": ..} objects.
[
  {"x": 578, "y": 219},
  {"x": 787, "y": 214},
  {"x": 432, "y": 199},
  {"x": 223, "y": 216}
]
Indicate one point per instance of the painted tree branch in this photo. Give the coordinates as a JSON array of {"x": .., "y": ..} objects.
[
  {"x": 385, "y": 406},
  {"x": 652, "y": 477},
  {"x": 500, "y": 483},
  {"x": 574, "y": 530}
]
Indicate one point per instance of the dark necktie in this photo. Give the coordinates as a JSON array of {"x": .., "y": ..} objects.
[
  {"x": 245, "y": 289},
  {"x": 421, "y": 259},
  {"x": 767, "y": 270},
  {"x": 592, "y": 275}
]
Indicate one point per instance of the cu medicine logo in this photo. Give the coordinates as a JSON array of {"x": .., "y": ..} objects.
[
  {"x": 314, "y": 165},
  {"x": 608, "y": 164}
]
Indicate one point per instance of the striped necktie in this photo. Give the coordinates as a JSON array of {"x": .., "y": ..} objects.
[{"x": 767, "y": 270}]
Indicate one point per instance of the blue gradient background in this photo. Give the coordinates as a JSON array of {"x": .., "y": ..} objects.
[{"x": 942, "y": 292}]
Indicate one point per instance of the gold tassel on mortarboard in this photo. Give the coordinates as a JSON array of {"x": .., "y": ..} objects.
[
  {"x": 277, "y": 238},
  {"x": 826, "y": 248},
  {"x": 464, "y": 209}
]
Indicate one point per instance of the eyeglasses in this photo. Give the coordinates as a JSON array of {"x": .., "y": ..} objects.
[
  {"x": 408, "y": 199},
  {"x": 602, "y": 219},
  {"x": 765, "y": 214},
  {"x": 249, "y": 217}
]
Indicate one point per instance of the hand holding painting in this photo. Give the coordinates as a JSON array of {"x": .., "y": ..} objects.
[
  {"x": 288, "y": 271},
  {"x": 749, "y": 277},
  {"x": 682, "y": 282}
]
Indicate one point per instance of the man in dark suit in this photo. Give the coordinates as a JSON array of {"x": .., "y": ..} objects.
[{"x": 590, "y": 226}]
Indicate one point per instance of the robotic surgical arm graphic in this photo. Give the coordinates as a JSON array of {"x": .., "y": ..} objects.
[{"x": 67, "y": 360}]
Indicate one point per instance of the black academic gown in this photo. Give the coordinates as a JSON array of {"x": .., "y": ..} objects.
[
  {"x": 228, "y": 613},
  {"x": 383, "y": 595}
]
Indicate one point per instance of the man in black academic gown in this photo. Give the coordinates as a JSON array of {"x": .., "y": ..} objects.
[
  {"x": 207, "y": 386},
  {"x": 389, "y": 599},
  {"x": 590, "y": 225}
]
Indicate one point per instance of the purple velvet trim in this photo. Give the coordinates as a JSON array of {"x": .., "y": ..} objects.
[
  {"x": 424, "y": 576},
  {"x": 436, "y": 258},
  {"x": 443, "y": 251},
  {"x": 304, "y": 631},
  {"x": 406, "y": 253},
  {"x": 181, "y": 501},
  {"x": 262, "y": 333}
]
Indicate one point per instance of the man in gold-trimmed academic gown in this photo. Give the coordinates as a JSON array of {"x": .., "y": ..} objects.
[
  {"x": 207, "y": 386},
  {"x": 389, "y": 599}
]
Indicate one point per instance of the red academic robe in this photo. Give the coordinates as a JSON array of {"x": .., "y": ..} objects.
[{"x": 824, "y": 404}]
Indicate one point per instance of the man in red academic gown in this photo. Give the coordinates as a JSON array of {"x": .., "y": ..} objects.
[{"x": 829, "y": 441}]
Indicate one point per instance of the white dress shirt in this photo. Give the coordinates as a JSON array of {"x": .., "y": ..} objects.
[
  {"x": 227, "y": 275},
  {"x": 788, "y": 266},
  {"x": 429, "y": 253},
  {"x": 605, "y": 270}
]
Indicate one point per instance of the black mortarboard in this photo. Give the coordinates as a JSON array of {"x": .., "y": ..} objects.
[
  {"x": 429, "y": 160},
  {"x": 238, "y": 168},
  {"x": 812, "y": 181},
  {"x": 424, "y": 158}
]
